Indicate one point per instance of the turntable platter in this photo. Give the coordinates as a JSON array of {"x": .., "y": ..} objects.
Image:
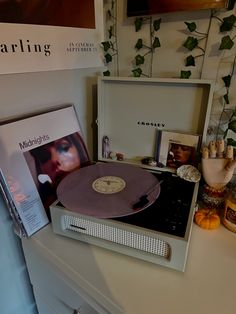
[{"x": 108, "y": 190}]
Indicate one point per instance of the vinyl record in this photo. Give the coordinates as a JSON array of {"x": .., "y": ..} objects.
[{"x": 108, "y": 190}]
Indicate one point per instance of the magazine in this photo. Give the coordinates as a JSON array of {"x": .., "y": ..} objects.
[
  {"x": 37, "y": 152},
  {"x": 175, "y": 149}
]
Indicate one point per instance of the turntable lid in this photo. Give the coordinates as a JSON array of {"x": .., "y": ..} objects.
[{"x": 131, "y": 110}]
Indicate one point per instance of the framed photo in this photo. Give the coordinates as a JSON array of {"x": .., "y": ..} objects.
[
  {"x": 176, "y": 149},
  {"x": 152, "y": 7}
]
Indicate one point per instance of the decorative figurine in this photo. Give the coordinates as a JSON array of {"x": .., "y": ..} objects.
[
  {"x": 105, "y": 146},
  {"x": 217, "y": 170},
  {"x": 112, "y": 155},
  {"x": 150, "y": 161},
  {"x": 218, "y": 166},
  {"x": 120, "y": 156}
]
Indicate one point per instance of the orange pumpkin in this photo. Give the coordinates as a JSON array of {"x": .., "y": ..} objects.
[{"x": 207, "y": 218}]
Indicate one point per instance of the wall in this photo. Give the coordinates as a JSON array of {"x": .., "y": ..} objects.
[
  {"x": 16, "y": 295},
  {"x": 169, "y": 59},
  {"x": 25, "y": 93}
]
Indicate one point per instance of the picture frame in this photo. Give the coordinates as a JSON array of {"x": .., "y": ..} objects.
[
  {"x": 153, "y": 7},
  {"x": 36, "y": 155},
  {"x": 175, "y": 149},
  {"x": 33, "y": 42}
]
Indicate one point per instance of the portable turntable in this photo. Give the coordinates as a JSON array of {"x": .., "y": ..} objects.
[{"x": 124, "y": 205}]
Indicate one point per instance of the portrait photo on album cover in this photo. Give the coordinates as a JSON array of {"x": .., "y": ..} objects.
[
  {"x": 51, "y": 162},
  {"x": 175, "y": 149},
  {"x": 179, "y": 154}
]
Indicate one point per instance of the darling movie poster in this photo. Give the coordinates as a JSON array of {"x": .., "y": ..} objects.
[{"x": 42, "y": 35}]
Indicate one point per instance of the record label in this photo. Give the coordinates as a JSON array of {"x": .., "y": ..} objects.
[
  {"x": 108, "y": 185},
  {"x": 108, "y": 190}
]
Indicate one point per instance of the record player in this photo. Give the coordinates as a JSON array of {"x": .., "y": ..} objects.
[{"x": 125, "y": 205}]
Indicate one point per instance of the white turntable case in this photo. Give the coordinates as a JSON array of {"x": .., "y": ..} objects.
[
  {"x": 129, "y": 112},
  {"x": 131, "y": 109}
]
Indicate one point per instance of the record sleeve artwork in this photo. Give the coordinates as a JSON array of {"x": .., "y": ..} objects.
[{"x": 108, "y": 190}]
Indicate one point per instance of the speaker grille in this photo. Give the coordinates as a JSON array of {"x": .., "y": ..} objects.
[{"x": 117, "y": 235}]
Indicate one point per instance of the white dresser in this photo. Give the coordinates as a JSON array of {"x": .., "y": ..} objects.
[{"x": 70, "y": 277}]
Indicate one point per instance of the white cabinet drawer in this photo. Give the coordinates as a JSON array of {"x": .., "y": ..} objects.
[
  {"x": 60, "y": 297},
  {"x": 55, "y": 288},
  {"x": 42, "y": 305},
  {"x": 49, "y": 303},
  {"x": 68, "y": 272}
]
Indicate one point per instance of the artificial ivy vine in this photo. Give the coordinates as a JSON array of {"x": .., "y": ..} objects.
[
  {"x": 227, "y": 24},
  {"x": 110, "y": 46},
  {"x": 193, "y": 42},
  {"x": 232, "y": 119},
  {"x": 227, "y": 42},
  {"x": 140, "y": 59}
]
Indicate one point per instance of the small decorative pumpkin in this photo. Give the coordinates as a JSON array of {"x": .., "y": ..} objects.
[{"x": 207, "y": 218}]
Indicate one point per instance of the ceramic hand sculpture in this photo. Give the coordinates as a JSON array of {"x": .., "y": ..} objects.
[{"x": 217, "y": 164}]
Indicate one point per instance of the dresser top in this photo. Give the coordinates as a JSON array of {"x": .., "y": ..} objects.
[{"x": 129, "y": 285}]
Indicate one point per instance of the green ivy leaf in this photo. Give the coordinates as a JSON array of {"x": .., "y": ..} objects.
[
  {"x": 231, "y": 142},
  {"x": 228, "y": 23},
  {"x": 156, "y": 24},
  {"x": 191, "y": 26},
  {"x": 106, "y": 45},
  {"x": 110, "y": 32},
  {"x": 191, "y": 43},
  {"x": 109, "y": 14},
  {"x": 138, "y": 23},
  {"x": 226, "y": 43},
  {"x": 108, "y": 57},
  {"x": 226, "y": 98},
  {"x": 225, "y": 133},
  {"x": 227, "y": 80},
  {"x": 112, "y": 4},
  {"x": 185, "y": 74},
  {"x": 156, "y": 43},
  {"x": 139, "y": 60},
  {"x": 107, "y": 73},
  {"x": 232, "y": 125},
  {"x": 230, "y": 4},
  {"x": 139, "y": 44},
  {"x": 190, "y": 61},
  {"x": 137, "y": 72}
]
